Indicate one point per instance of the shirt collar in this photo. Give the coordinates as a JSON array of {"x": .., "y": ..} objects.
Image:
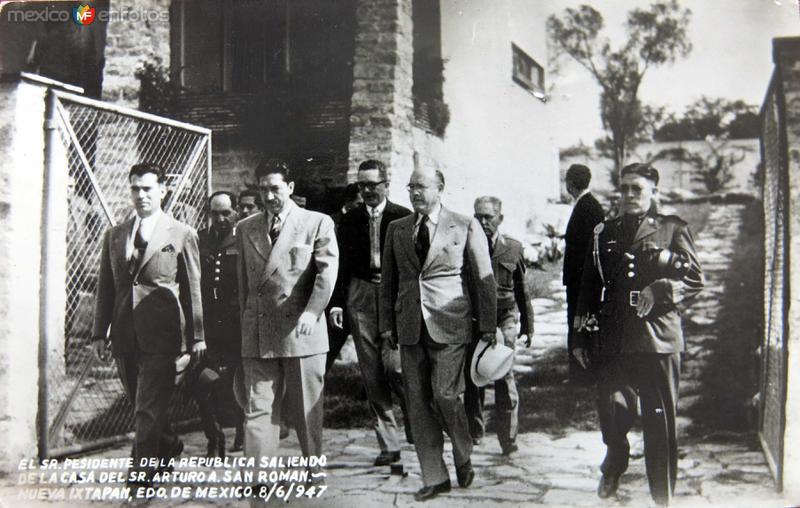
[
  {"x": 379, "y": 209},
  {"x": 433, "y": 217},
  {"x": 284, "y": 213},
  {"x": 585, "y": 192},
  {"x": 147, "y": 223}
]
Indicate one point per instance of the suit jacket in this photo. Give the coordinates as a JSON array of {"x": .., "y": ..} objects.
[
  {"x": 220, "y": 288},
  {"x": 158, "y": 309},
  {"x": 353, "y": 235},
  {"x": 453, "y": 286},
  {"x": 277, "y": 283},
  {"x": 508, "y": 265},
  {"x": 620, "y": 329},
  {"x": 586, "y": 214}
]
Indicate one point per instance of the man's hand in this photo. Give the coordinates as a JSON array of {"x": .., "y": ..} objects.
[
  {"x": 198, "y": 350},
  {"x": 579, "y": 322},
  {"x": 306, "y": 323},
  {"x": 525, "y": 338},
  {"x": 582, "y": 355},
  {"x": 336, "y": 317},
  {"x": 646, "y": 302},
  {"x": 390, "y": 339},
  {"x": 490, "y": 337},
  {"x": 100, "y": 350}
]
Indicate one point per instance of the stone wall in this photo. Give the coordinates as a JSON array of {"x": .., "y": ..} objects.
[
  {"x": 138, "y": 31},
  {"x": 21, "y": 202},
  {"x": 381, "y": 111}
]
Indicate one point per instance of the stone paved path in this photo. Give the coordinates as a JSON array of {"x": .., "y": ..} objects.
[{"x": 549, "y": 470}]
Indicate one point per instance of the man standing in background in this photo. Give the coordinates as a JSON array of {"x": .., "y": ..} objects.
[
  {"x": 514, "y": 308},
  {"x": 362, "y": 234},
  {"x": 586, "y": 214}
]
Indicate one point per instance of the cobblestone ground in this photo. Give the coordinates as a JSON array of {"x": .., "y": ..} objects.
[{"x": 551, "y": 469}]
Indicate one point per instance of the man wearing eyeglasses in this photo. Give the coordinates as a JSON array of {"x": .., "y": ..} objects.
[
  {"x": 641, "y": 266},
  {"x": 362, "y": 233},
  {"x": 436, "y": 280}
]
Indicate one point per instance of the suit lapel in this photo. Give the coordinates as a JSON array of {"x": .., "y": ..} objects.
[
  {"x": 119, "y": 245},
  {"x": 441, "y": 237},
  {"x": 289, "y": 232},
  {"x": 159, "y": 237},
  {"x": 257, "y": 235},
  {"x": 406, "y": 233}
]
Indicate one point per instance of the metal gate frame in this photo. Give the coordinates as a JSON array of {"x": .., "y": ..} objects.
[{"x": 60, "y": 133}]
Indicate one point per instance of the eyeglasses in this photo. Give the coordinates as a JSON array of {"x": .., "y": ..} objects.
[
  {"x": 412, "y": 187},
  {"x": 370, "y": 186}
]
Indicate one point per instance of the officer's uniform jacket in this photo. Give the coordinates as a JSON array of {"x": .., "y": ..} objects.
[
  {"x": 220, "y": 290},
  {"x": 508, "y": 265},
  {"x": 613, "y": 271}
]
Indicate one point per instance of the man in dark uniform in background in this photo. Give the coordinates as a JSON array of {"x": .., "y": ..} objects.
[
  {"x": 361, "y": 235},
  {"x": 642, "y": 265},
  {"x": 586, "y": 214},
  {"x": 513, "y": 307},
  {"x": 218, "y": 258}
]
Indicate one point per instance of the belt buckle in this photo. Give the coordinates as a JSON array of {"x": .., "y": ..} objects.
[{"x": 633, "y": 298}]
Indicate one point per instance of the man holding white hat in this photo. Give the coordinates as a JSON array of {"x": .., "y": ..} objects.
[{"x": 513, "y": 307}]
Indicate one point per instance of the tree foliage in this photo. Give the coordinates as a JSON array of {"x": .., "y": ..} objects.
[
  {"x": 709, "y": 117},
  {"x": 654, "y": 36}
]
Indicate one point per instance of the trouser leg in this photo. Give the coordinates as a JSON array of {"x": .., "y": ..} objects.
[
  {"x": 658, "y": 377},
  {"x": 362, "y": 306},
  {"x": 616, "y": 406},
  {"x": 304, "y": 377},
  {"x": 506, "y": 402},
  {"x": 425, "y": 426},
  {"x": 447, "y": 386},
  {"x": 264, "y": 386},
  {"x": 473, "y": 398}
]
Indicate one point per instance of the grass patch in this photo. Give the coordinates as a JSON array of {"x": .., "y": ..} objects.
[
  {"x": 345, "y": 400},
  {"x": 538, "y": 280}
]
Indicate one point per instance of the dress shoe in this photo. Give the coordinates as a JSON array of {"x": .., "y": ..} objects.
[
  {"x": 386, "y": 458},
  {"x": 432, "y": 491},
  {"x": 284, "y": 432},
  {"x": 465, "y": 474},
  {"x": 509, "y": 448},
  {"x": 608, "y": 486}
]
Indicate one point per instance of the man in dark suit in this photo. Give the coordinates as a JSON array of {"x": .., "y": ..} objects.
[
  {"x": 249, "y": 203},
  {"x": 288, "y": 260},
  {"x": 514, "y": 308},
  {"x": 362, "y": 234},
  {"x": 148, "y": 292},
  {"x": 641, "y": 267},
  {"x": 436, "y": 277},
  {"x": 219, "y": 257},
  {"x": 586, "y": 214},
  {"x": 337, "y": 333}
]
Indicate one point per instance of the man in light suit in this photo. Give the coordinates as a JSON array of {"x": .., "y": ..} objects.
[
  {"x": 148, "y": 292},
  {"x": 436, "y": 280},
  {"x": 288, "y": 259}
]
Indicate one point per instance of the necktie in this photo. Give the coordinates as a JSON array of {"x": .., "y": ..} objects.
[
  {"x": 275, "y": 229},
  {"x": 375, "y": 240},
  {"x": 139, "y": 246},
  {"x": 491, "y": 245},
  {"x": 423, "y": 242}
]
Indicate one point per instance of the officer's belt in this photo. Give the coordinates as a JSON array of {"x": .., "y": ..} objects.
[{"x": 633, "y": 296}]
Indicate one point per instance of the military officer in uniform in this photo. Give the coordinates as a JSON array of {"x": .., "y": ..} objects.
[
  {"x": 641, "y": 267},
  {"x": 218, "y": 258},
  {"x": 513, "y": 308}
]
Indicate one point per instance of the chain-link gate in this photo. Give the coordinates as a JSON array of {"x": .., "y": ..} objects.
[
  {"x": 772, "y": 386},
  {"x": 86, "y": 404}
]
